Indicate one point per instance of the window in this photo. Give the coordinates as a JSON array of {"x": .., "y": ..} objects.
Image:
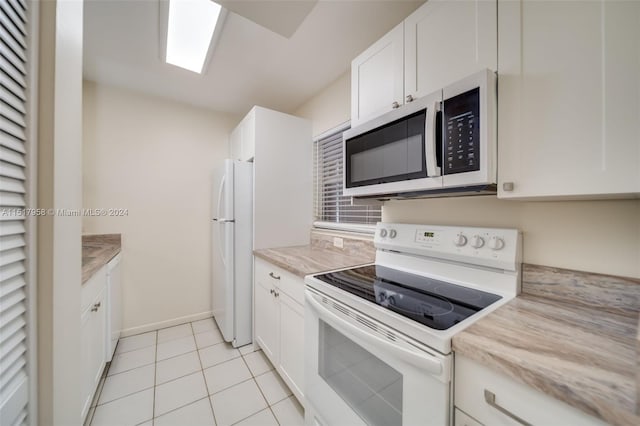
[{"x": 331, "y": 207}]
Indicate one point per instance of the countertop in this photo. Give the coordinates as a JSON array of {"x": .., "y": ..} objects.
[
  {"x": 585, "y": 356},
  {"x": 97, "y": 251},
  {"x": 310, "y": 259}
]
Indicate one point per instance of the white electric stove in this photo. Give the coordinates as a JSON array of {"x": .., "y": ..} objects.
[{"x": 378, "y": 337}]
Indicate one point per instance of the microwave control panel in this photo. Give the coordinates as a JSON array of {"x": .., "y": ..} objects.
[{"x": 461, "y": 116}]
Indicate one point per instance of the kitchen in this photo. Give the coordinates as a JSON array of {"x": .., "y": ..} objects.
[{"x": 125, "y": 140}]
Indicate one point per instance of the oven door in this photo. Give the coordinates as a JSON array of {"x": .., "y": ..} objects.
[{"x": 360, "y": 372}]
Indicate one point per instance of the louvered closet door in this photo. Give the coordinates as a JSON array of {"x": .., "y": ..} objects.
[{"x": 14, "y": 380}]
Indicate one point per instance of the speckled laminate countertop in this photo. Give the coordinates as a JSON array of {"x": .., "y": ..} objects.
[
  {"x": 305, "y": 260},
  {"x": 97, "y": 251},
  {"x": 585, "y": 356}
]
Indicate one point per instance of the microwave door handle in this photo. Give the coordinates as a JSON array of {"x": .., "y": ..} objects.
[
  {"x": 430, "y": 364},
  {"x": 430, "y": 140}
]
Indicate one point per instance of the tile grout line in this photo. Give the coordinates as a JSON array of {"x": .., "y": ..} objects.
[
  {"x": 259, "y": 389},
  {"x": 204, "y": 378},
  {"x": 253, "y": 414},
  {"x": 201, "y": 370},
  {"x": 124, "y": 396},
  {"x": 131, "y": 369},
  {"x": 179, "y": 408},
  {"x": 156, "y": 331},
  {"x": 193, "y": 372},
  {"x": 105, "y": 374}
]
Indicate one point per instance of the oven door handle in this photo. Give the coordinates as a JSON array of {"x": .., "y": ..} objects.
[{"x": 423, "y": 362}]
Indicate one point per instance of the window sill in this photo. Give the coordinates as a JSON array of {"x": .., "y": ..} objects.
[{"x": 346, "y": 227}]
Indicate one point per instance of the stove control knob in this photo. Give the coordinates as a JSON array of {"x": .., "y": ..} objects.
[
  {"x": 383, "y": 232},
  {"x": 460, "y": 240},
  {"x": 477, "y": 241},
  {"x": 392, "y": 233},
  {"x": 496, "y": 243}
]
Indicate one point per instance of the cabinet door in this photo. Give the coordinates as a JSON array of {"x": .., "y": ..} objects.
[
  {"x": 292, "y": 344},
  {"x": 377, "y": 77},
  {"x": 249, "y": 136},
  {"x": 568, "y": 105},
  {"x": 266, "y": 317},
  {"x": 235, "y": 143},
  {"x": 446, "y": 40},
  {"x": 93, "y": 350},
  {"x": 85, "y": 352}
]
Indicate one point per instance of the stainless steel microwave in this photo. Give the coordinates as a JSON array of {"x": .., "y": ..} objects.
[{"x": 441, "y": 143}]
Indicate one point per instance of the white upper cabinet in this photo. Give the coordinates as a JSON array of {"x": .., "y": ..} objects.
[
  {"x": 235, "y": 143},
  {"x": 248, "y": 150},
  {"x": 569, "y": 99},
  {"x": 377, "y": 76},
  {"x": 242, "y": 142},
  {"x": 438, "y": 44},
  {"x": 445, "y": 41}
]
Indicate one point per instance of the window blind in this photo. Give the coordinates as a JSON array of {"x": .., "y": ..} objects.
[
  {"x": 329, "y": 203},
  {"x": 14, "y": 377}
]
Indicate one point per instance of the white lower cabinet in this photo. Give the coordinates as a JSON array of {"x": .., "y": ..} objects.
[
  {"x": 279, "y": 322},
  {"x": 266, "y": 315},
  {"x": 93, "y": 336},
  {"x": 292, "y": 342},
  {"x": 461, "y": 419},
  {"x": 485, "y": 397}
]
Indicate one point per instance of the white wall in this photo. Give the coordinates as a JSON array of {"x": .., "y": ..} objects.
[
  {"x": 595, "y": 236},
  {"x": 59, "y": 187},
  {"x": 330, "y": 107},
  {"x": 155, "y": 158}
]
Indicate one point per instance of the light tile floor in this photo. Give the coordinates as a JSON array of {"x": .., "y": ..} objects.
[{"x": 188, "y": 376}]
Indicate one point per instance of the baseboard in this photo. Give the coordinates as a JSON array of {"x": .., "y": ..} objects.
[{"x": 164, "y": 324}]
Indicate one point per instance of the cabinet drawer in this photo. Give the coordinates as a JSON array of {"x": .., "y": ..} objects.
[
  {"x": 261, "y": 270},
  {"x": 286, "y": 282},
  {"x": 518, "y": 399},
  {"x": 293, "y": 286},
  {"x": 461, "y": 419},
  {"x": 92, "y": 288}
]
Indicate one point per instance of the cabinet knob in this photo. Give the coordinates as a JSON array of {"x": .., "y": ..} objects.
[
  {"x": 275, "y": 277},
  {"x": 409, "y": 98},
  {"x": 507, "y": 186},
  {"x": 271, "y": 291},
  {"x": 276, "y": 294},
  {"x": 395, "y": 105},
  {"x": 96, "y": 306}
]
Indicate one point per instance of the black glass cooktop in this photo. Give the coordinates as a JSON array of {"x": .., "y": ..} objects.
[{"x": 436, "y": 304}]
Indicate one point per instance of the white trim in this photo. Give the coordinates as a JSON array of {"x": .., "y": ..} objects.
[
  {"x": 32, "y": 202},
  {"x": 346, "y": 227},
  {"x": 164, "y": 324},
  {"x": 339, "y": 128}
]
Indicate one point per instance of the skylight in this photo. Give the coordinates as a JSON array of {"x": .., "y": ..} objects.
[{"x": 189, "y": 31}]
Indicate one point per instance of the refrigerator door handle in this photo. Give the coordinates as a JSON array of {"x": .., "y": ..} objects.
[
  {"x": 222, "y": 247},
  {"x": 220, "y": 191}
]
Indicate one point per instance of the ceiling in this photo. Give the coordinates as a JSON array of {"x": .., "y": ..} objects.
[{"x": 250, "y": 65}]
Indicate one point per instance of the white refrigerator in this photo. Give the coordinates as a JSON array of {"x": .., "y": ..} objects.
[{"x": 232, "y": 249}]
